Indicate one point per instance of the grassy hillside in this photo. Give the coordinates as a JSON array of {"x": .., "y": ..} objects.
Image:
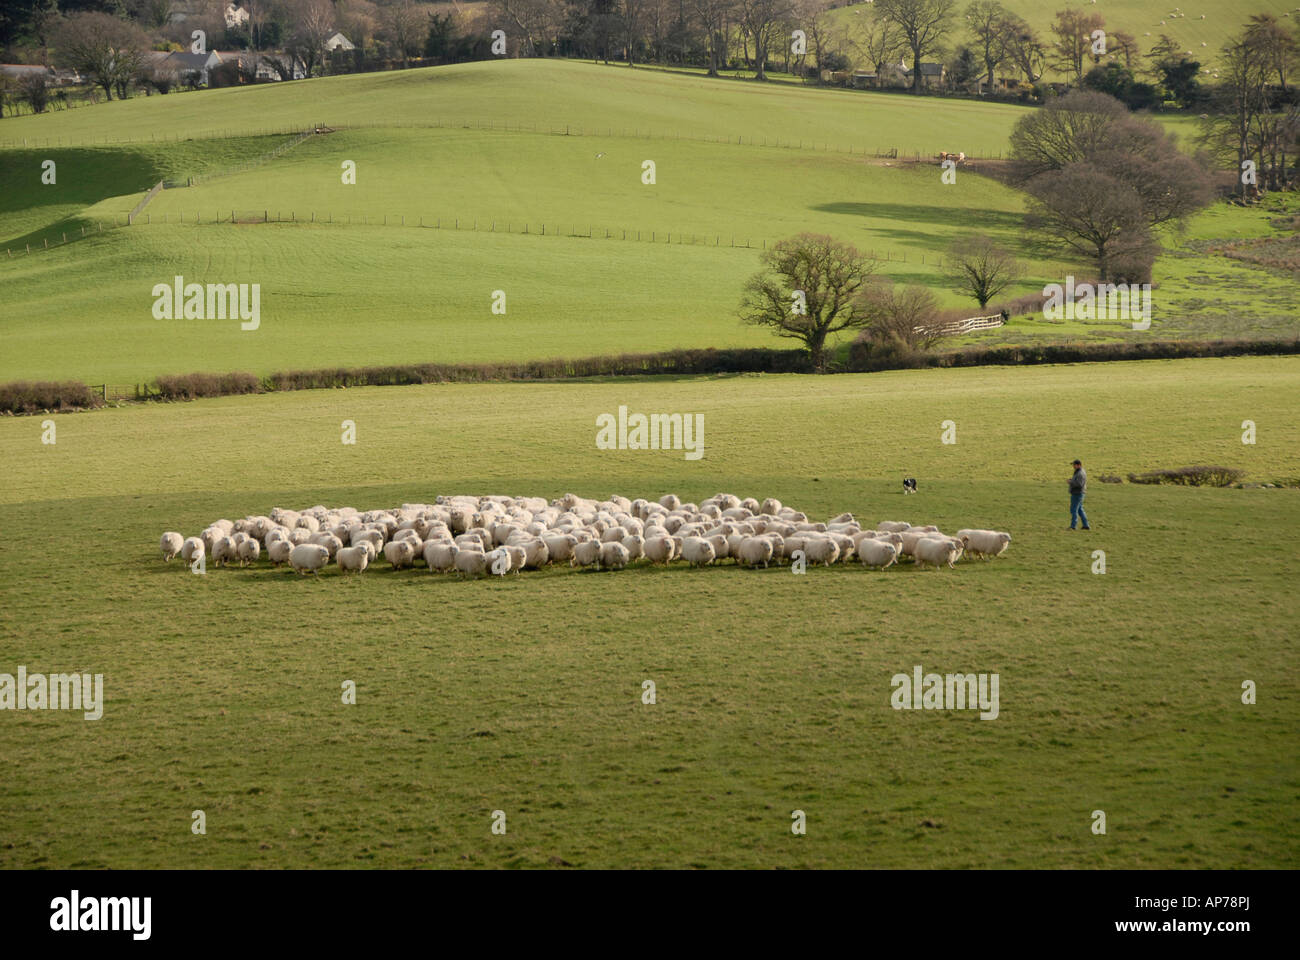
[
  {"x": 1118, "y": 691},
  {"x": 659, "y": 272},
  {"x": 1146, "y": 20},
  {"x": 542, "y": 94}
]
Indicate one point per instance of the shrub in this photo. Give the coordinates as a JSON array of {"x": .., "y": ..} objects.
[
  {"x": 28, "y": 397},
  {"x": 1199, "y": 476},
  {"x": 187, "y": 386}
]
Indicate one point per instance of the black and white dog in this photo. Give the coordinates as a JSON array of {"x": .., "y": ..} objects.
[{"x": 909, "y": 485}]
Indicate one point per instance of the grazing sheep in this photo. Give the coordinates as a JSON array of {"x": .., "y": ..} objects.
[
  {"x": 755, "y": 550},
  {"x": 585, "y": 554},
  {"x": 278, "y": 551},
  {"x": 399, "y": 553},
  {"x": 560, "y": 546},
  {"x": 635, "y": 545},
  {"x": 877, "y": 553},
  {"x": 985, "y": 543},
  {"x": 353, "y": 559},
  {"x": 613, "y": 555},
  {"x": 439, "y": 556},
  {"x": 658, "y": 549},
  {"x": 309, "y": 557},
  {"x": 518, "y": 556},
  {"x": 249, "y": 551},
  {"x": 893, "y": 526},
  {"x": 821, "y": 550},
  {"x": 469, "y": 562},
  {"x": 697, "y": 551},
  {"x": 171, "y": 544}
]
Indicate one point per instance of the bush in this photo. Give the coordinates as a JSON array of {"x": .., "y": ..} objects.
[
  {"x": 187, "y": 386},
  {"x": 1133, "y": 349},
  {"x": 1201, "y": 476},
  {"x": 27, "y": 397}
]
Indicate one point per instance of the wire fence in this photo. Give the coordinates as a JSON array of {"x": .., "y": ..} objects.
[
  {"x": 519, "y": 228},
  {"x": 878, "y": 151},
  {"x": 463, "y": 224},
  {"x": 195, "y": 179}
]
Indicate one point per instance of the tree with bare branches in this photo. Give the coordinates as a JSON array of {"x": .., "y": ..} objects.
[
  {"x": 807, "y": 290},
  {"x": 978, "y": 266},
  {"x": 923, "y": 23}
]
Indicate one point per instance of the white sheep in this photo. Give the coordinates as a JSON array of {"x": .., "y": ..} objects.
[
  {"x": 399, "y": 553},
  {"x": 249, "y": 551},
  {"x": 893, "y": 526},
  {"x": 877, "y": 553},
  {"x": 936, "y": 551},
  {"x": 985, "y": 543},
  {"x": 309, "y": 557},
  {"x": 634, "y": 543},
  {"x": 439, "y": 555},
  {"x": 171, "y": 544},
  {"x": 613, "y": 555},
  {"x": 279, "y": 551},
  {"x": 697, "y": 551},
  {"x": 223, "y": 551},
  {"x": 470, "y": 562},
  {"x": 821, "y": 550},
  {"x": 585, "y": 554},
  {"x": 658, "y": 549},
  {"x": 353, "y": 559},
  {"x": 755, "y": 550}
]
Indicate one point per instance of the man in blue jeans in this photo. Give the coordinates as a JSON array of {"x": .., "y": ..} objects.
[{"x": 1078, "y": 487}]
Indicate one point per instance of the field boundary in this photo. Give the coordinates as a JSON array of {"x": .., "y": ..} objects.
[
  {"x": 878, "y": 151},
  {"x": 246, "y": 165},
  {"x": 144, "y": 202},
  {"x": 24, "y": 397}
]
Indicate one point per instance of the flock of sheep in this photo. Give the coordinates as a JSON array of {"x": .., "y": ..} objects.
[{"x": 474, "y": 536}]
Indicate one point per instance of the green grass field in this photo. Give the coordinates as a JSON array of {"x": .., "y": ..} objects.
[
  {"x": 362, "y": 289},
  {"x": 1145, "y": 20},
  {"x": 1118, "y": 691}
]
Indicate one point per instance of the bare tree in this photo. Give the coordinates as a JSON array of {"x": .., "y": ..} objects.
[
  {"x": 632, "y": 16},
  {"x": 311, "y": 24},
  {"x": 404, "y": 26},
  {"x": 1072, "y": 40},
  {"x": 764, "y": 21},
  {"x": 34, "y": 89},
  {"x": 1244, "y": 124},
  {"x": 533, "y": 23},
  {"x": 358, "y": 20},
  {"x": 714, "y": 16},
  {"x": 1065, "y": 130},
  {"x": 807, "y": 290},
  {"x": 1123, "y": 46},
  {"x": 987, "y": 21},
  {"x": 902, "y": 314},
  {"x": 980, "y": 267},
  {"x": 879, "y": 43},
  {"x": 108, "y": 51},
  {"x": 924, "y": 24},
  {"x": 1099, "y": 177},
  {"x": 1025, "y": 49}
]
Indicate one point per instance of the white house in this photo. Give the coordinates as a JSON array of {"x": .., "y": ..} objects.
[
  {"x": 338, "y": 42},
  {"x": 236, "y": 16}
]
